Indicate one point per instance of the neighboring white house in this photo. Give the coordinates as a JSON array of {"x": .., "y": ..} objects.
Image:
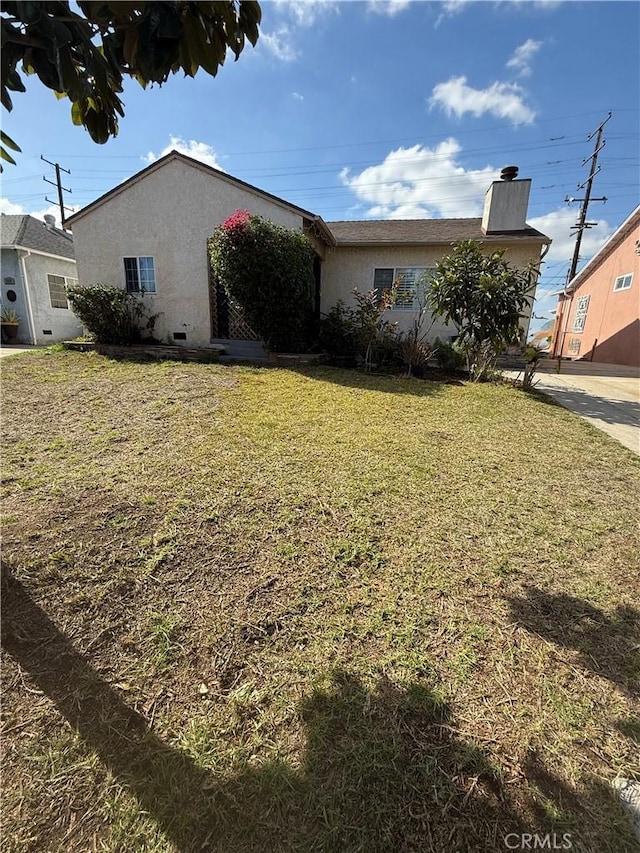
[
  {"x": 38, "y": 262},
  {"x": 150, "y": 233}
]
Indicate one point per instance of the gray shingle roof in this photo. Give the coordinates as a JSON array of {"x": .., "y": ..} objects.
[
  {"x": 375, "y": 232},
  {"x": 31, "y": 233}
]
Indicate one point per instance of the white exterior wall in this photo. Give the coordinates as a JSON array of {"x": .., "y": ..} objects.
[
  {"x": 347, "y": 267},
  {"x": 61, "y": 322},
  {"x": 168, "y": 214}
]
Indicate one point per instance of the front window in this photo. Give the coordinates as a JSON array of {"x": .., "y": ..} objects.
[
  {"x": 140, "y": 275},
  {"x": 58, "y": 289},
  {"x": 623, "y": 282},
  {"x": 410, "y": 284}
]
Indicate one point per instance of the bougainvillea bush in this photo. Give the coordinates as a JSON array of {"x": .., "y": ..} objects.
[{"x": 268, "y": 271}]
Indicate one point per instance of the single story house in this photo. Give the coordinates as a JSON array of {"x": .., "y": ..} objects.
[
  {"x": 598, "y": 314},
  {"x": 150, "y": 233},
  {"x": 38, "y": 262}
]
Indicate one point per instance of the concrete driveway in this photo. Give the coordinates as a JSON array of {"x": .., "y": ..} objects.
[
  {"x": 610, "y": 400},
  {"x": 6, "y": 350}
]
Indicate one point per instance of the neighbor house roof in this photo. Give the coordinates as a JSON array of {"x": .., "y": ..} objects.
[
  {"x": 27, "y": 232},
  {"x": 315, "y": 221},
  {"x": 416, "y": 232}
]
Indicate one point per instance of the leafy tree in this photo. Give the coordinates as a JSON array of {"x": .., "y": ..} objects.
[
  {"x": 485, "y": 299},
  {"x": 268, "y": 270},
  {"x": 85, "y": 57}
]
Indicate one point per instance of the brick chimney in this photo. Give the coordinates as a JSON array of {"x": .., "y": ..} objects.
[{"x": 506, "y": 202}]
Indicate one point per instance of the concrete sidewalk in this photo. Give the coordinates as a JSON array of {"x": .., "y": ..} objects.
[{"x": 609, "y": 402}]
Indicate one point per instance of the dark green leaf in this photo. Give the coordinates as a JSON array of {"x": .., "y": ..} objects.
[{"x": 8, "y": 141}]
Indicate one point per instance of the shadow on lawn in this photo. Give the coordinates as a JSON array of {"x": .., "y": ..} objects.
[
  {"x": 608, "y": 645},
  {"x": 431, "y": 384},
  {"x": 383, "y": 771}
]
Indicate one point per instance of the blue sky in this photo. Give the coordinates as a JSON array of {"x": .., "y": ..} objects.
[{"x": 394, "y": 109}]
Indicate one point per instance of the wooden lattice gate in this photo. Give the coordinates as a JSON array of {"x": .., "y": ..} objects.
[{"x": 227, "y": 318}]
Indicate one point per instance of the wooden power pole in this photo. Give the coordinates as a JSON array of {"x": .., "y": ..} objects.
[
  {"x": 582, "y": 223},
  {"x": 57, "y": 183}
]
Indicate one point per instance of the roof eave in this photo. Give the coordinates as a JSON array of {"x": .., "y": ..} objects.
[
  {"x": 371, "y": 244},
  {"x": 19, "y": 248}
]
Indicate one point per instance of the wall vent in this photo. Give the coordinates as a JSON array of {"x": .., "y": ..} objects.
[{"x": 179, "y": 336}]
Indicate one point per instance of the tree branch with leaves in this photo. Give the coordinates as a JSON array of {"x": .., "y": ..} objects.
[{"x": 86, "y": 55}]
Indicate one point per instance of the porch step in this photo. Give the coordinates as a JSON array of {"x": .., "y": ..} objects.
[{"x": 239, "y": 350}]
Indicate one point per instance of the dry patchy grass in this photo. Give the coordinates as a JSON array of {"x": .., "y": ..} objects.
[{"x": 255, "y": 609}]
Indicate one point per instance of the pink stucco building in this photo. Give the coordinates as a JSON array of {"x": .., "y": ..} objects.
[{"x": 598, "y": 316}]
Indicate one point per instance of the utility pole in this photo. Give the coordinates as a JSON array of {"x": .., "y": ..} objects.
[
  {"x": 582, "y": 224},
  {"x": 562, "y": 317},
  {"x": 57, "y": 183}
]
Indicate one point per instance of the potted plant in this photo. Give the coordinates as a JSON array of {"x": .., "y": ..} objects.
[{"x": 9, "y": 322}]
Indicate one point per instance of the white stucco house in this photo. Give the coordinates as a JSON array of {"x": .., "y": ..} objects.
[
  {"x": 38, "y": 262},
  {"x": 150, "y": 233}
]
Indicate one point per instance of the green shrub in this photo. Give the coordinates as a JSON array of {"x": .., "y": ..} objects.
[
  {"x": 111, "y": 315},
  {"x": 339, "y": 334},
  {"x": 268, "y": 271},
  {"x": 414, "y": 352},
  {"x": 360, "y": 335},
  {"x": 450, "y": 357}
]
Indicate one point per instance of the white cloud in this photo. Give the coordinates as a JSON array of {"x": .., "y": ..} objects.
[
  {"x": 297, "y": 96},
  {"x": 558, "y": 225},
  {"x": 390, "y": 8},
  {"x": 305, "y": 13},
  {"x": 454, "y": 7},
  {"x": 289, "y": 15},
  {"x": 198, "y": 150},
  {"x": 278, "y": 44},
  {"x": 420, "y": 182},
  {"x": 504, "y": 100},
  {"x": 10, "y": 208},
  {"x": 449, "y": 9},
  {"x": 522, "y": 57},
  {"x": 545, "y": 5}
]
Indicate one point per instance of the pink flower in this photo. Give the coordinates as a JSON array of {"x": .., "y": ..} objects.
[{"x": 237, "y": 221}]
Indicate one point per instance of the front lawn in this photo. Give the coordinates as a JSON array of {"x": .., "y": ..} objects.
[{"x": 266, "y": 610}]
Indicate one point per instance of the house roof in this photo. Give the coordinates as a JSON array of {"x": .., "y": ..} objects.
[
  {"x": 369, "y": 232},
  {"x": 632, "y": 221},
  {"x": 27, "y": 232},
  {"x": 315, "y": 220},
  {"x": 416, "y": 232}
]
